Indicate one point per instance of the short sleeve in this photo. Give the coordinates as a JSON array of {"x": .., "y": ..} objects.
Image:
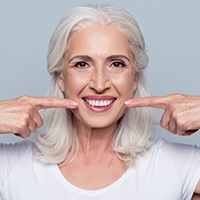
[
  {"x": 10, "y": 157},
  {"x": 186, "y": 162}
]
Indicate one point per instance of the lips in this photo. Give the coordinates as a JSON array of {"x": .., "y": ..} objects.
[{"x": 99, "y": 103}]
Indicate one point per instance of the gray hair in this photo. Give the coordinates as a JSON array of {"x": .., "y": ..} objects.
[{"x": 133, "y": 135}]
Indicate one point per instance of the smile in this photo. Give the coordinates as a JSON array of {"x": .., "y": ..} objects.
[{"x": 99, "y": 103}]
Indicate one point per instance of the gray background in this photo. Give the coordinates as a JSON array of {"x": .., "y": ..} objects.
[{"x": 171, "y": 29}]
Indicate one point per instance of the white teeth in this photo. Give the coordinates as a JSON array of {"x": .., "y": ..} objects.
[{"x": 99, "y": 103}]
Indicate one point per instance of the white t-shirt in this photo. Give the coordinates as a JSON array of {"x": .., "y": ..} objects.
[{"x": 166, "y": 172}]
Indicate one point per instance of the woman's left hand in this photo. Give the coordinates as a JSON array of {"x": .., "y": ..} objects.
[{"x": 181, "y": 112}]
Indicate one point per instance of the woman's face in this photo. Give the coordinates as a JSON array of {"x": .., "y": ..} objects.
[{"x": 98, "y": 74}]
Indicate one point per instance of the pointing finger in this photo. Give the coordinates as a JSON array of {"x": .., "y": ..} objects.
[
  {"x": 152, "y": 101},
  {"x": 51, "y": 102}
]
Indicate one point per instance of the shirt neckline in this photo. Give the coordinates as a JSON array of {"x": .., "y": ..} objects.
[{"x": 70, "y": 186}]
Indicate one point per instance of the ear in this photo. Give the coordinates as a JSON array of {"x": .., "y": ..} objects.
[
  {"x": 135, "y": 83},
  {"x": 60, "y": 80}
]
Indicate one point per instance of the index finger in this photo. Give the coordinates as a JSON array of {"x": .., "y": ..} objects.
[
  {"x": 51, "y": 102},
  {"x": 151, "y": 101}
]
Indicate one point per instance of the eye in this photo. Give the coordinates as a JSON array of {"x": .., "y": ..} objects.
[
  {"x": 119, "y": 64},
  {"x": 81, "y": 64}
]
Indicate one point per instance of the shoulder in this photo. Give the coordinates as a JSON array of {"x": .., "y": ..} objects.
[
  {"x": 176, "y": 155},
  {"x": 15, "y": 152},
  {"x": 19, "y": 146},
  {"x": 174, "y": 164},
  {"x": 12, "y": 155},
  {"x": 174, "y": 149}
]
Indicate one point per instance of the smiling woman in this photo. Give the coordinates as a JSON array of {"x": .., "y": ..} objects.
[
  {"x": 96, "y": 138},
  {"x": 90, "y": 66},
  {"x": 100, "y": 79}
]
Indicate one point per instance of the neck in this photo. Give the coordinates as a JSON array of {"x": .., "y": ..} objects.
[{"x": 97, "y": 140}]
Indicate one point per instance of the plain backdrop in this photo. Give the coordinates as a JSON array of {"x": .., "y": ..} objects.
[{"x": 171, "y": 29}]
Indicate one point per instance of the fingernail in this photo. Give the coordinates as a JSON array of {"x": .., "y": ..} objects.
[
  {"x": 73, "y": 104},
  {"x": 127, "y": 103}
]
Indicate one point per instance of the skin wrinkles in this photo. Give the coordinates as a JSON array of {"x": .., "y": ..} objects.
[
  {"x": 98, "y": 52},
  {"x": 98, "y": 46},
  {"x": 95, "y": 76},
  {"x": 89, "y": 59}
]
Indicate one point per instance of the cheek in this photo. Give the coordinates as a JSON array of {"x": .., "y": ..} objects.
[
  {"x": 74, "y": 84},
  {"x": 126, "y": 85}
]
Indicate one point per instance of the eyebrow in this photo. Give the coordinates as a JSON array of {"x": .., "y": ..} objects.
[
  {"x": 117, "y": 56},
  {"x": 88, "y": 58},
  {"x": 82, "y": 57}
]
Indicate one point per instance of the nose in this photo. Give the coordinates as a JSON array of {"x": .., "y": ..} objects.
[{"x": 100, "y": 80}]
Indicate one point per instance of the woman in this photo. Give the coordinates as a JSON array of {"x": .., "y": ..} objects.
[{"x": 93, "y": 145}]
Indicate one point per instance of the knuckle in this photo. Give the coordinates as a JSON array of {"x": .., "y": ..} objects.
[
  {"x": 24, "y": 98},
  {"x": 175, "y": 102},
  {"x": 16, "y": 130},
  {"x": 40, "y": 123},
  {"x": 33, "y": 129},
  {"x": 177, "y": 116},
  {"x": 26, "y": 104},
  {"x": 163, "y": 125},
  {"x": 25, "y": 117},
  {"x": 181, "y": 123},
  {"x": 25, "y": 134},
  {"x": 28, "y": 108},
  {"x": 172, "y": 106},
  {"x": 184, "y": 126},
  {"x": 20, "y": 127},
  {"x": 178, "y": 98}
]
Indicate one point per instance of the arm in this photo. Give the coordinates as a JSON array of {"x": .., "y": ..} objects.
[
  {"x": 21, "y": 115},
  {"x": 181, "y": 115},
  {"x": 181, "y": 112}
]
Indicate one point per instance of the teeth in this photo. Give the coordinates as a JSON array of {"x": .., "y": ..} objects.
[{"x": 99, "y": 103}]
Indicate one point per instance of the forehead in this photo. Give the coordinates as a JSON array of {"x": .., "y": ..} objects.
[{"x": 99, "y": 40}]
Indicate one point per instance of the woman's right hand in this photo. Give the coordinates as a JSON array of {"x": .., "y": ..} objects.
[{"x": 21, "y": 115}]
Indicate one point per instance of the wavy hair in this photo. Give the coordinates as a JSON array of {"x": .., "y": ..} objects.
[{"x": 59, "y": 137}]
